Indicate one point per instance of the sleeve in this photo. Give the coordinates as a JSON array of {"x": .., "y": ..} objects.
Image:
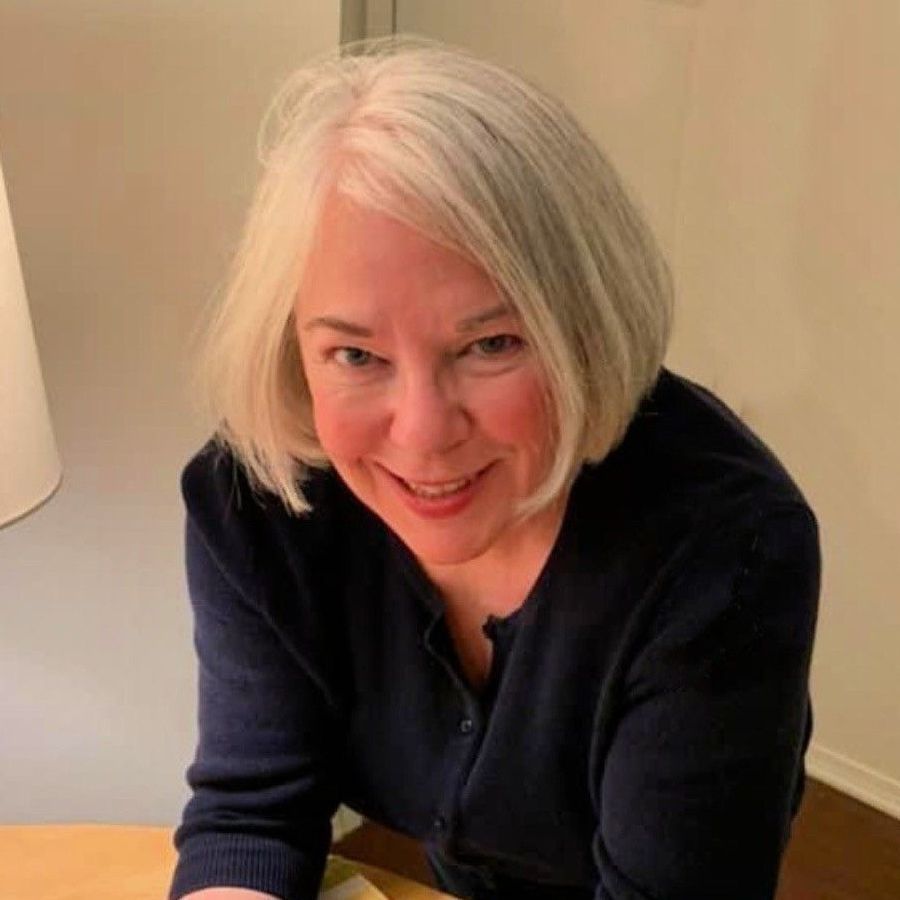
[
  {"x": 263, "y": 795},
  {"x": 702, "y": 774}
]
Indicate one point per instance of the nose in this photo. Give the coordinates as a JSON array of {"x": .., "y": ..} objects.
[{"x": 428, "y": 415}]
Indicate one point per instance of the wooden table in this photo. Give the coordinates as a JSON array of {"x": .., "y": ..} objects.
[{"x": 115, "y": 862}]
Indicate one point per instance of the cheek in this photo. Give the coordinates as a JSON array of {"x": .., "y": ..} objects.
[
  {"x": 346, "y": 429},
  {"x": 516, "y": 414}
]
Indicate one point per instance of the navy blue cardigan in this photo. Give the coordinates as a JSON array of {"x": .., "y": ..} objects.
[{"x": 643, "y": 730}]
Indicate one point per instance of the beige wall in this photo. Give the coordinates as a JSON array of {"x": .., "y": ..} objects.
[
  {"x": 128, "y": 139},
  {"x": 763, "y": 138}
]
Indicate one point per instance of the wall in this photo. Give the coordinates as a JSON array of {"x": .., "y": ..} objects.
[
  {"x": 763, "y": 139},
  {"x": 128, "y": 139}
]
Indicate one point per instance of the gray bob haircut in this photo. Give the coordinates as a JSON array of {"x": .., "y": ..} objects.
[{"x": 481, "y": 161}]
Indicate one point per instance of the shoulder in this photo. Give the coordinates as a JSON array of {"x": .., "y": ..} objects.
[
  {"x": 248, "y": 529},
  {"x": 705, "y": 438},
  {"x": 687, "y": 457},
  {"x": 727, "y": 547},
  {"x": 214, "y": 476},
  {"x": 690, "y": 508}
]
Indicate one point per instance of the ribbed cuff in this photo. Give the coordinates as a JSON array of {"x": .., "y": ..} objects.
[{"x": 247, "y": 861}]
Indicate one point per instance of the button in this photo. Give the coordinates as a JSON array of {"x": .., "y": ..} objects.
[
  {"x": 466, "y": 726},
  {"x": 439, "y": 823}
]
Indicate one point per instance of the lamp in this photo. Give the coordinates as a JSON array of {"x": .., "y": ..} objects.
[{"x": 30, "y": 469}]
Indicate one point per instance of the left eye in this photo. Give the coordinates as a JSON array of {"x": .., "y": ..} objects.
[{"x": 496, "y": 345}]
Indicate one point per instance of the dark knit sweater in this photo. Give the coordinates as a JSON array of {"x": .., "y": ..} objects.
[{"x": 643, "y": 730}]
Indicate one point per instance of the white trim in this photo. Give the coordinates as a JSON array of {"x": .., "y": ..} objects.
[{"x": 853, "y": 778}]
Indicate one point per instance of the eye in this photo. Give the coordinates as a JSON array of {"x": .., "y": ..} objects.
[
  {"x": 496, "y": 345},
  {"x": 352, "y": 357}
]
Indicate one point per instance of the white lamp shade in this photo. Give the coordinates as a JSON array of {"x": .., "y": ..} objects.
[{"x": 30, "y": 470}]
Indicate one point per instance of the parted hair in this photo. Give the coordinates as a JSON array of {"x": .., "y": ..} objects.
[{"x": 480, "y": 160}]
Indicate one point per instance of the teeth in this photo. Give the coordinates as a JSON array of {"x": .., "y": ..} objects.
[{"x": 438, "y": 490}]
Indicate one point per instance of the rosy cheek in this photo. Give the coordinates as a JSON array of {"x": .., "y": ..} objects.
[
  {"x": 346, "y": 429},
  {"x": 515, "y": 412}
]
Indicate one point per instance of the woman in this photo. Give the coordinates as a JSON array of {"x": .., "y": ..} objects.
[{"x": 462, "y": 554}]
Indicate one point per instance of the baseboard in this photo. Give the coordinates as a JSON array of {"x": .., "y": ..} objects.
[{"x": 853, "y": 778}]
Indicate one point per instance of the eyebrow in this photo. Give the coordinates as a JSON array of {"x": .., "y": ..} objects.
[
  {"x": 470, "y": 323},
  {"x": 338, "y": 325}
]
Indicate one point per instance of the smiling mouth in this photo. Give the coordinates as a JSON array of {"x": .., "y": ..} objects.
[{"x": 435, "y": 490}]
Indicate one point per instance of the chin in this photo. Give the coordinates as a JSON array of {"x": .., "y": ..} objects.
[{"x": 447, "y": 550}]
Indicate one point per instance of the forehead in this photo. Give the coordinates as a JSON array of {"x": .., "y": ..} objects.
[{"x": 365, "y": 260}]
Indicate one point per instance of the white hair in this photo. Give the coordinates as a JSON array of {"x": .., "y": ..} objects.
[{"x": 482, "y": 161}]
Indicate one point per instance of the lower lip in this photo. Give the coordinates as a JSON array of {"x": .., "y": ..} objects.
[{"x": 440, "y": 507}]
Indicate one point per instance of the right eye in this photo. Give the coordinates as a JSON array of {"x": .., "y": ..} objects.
[{"x": 352, "y": 357}]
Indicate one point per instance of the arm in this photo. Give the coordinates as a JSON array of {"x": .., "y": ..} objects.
[
  {"x": 697, "y": 789},
  {"x": 262, "y": 787}
]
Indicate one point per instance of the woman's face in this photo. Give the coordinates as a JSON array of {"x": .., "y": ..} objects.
[{"x": 426, "y": 398}]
